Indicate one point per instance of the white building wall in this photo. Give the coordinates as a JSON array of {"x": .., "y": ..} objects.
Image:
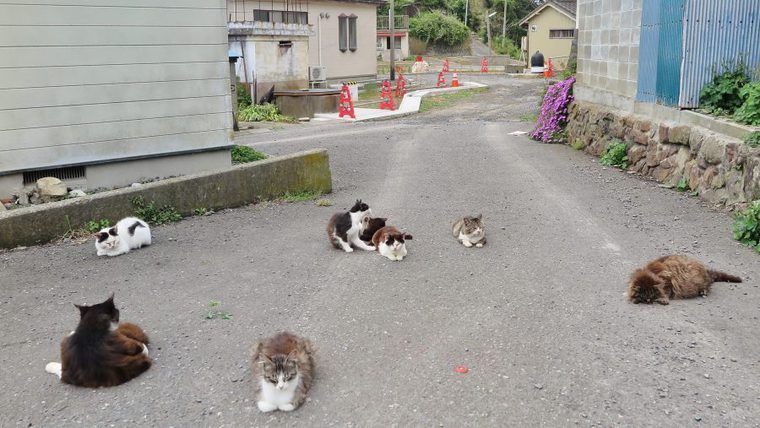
[{"x": 92, "y": 81}]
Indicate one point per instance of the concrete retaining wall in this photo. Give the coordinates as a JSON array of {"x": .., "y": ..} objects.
[
  {"x": 722, "y": 169},
  {"x": 232, "y": 187}
]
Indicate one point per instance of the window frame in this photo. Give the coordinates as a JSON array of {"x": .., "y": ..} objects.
[
  {"x": 353, "y": 38},
  {"x": 343, "y": 32},
  {"x": 562, "y": 31}
]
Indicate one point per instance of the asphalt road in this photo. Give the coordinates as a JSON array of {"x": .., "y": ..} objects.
[{"x": 537, "y": 315}]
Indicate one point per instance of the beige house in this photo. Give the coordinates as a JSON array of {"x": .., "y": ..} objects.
[
  {"x": 344, "y": 41},
  {"x": 292, "y": 44},
  {"x": 272, "y": 40},
  {"x": 106, "y": 93},
  {"x": 400, "y": 34},
  {"x": 551, "y": 29}
]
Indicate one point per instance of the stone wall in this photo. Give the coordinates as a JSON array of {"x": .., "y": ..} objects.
[
  {"x": 723, "y": 170},
  {"x": 608, "y": 51}
]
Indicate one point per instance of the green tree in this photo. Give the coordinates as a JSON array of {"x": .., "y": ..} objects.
[{"x": 438, "y": 28}]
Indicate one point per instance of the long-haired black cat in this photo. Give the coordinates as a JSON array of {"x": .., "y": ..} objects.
[{"x": 101, "y": 352}]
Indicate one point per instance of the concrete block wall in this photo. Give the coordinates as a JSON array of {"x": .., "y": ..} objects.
[{"x": 608, "y": 52}]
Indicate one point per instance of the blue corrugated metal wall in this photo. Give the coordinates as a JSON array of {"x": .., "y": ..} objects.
[
  {"x": 683, "y": 41},
  {"x": 716, "y": 33},
  {"x": 670, "y": 52},
  {"x": 648, "y": 48}
]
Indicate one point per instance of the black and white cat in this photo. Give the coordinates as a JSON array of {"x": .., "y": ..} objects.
[
  {"x": 128, "y": 234},
  {"x": 344, "y": 229}
]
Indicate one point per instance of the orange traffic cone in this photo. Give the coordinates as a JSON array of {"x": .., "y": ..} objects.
[{"x": 454, "y": 81}]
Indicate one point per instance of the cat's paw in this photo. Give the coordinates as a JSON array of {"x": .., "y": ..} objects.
[
  {"x": 54, "y": 368},
  {"x": 348, "y": 250},
  {"x": 266, "y": 406},
  {"x": 479, "y": 245},
  {"x": 287, "y": 407},
  {"x": 145, "y": 350},
  {"x": 467, "y": 244}
]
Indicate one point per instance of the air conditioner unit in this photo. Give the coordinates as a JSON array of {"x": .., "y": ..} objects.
[{"x": 317, "y": 74}]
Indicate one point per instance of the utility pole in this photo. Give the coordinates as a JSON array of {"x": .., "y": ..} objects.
[
  {"x": 466, "y": 7},
  {"x": 392, "y": 30},
  {"x": 488, "y": 28},
  {"x": 504, "y": 23}
]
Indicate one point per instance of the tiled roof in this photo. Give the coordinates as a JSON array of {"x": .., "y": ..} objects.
[{"x": 567, "y": 5}]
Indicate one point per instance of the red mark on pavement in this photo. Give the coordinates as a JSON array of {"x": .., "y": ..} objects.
[{"x": 461, "y": 369}]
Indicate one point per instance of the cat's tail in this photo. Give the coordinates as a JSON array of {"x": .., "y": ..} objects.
[
  {"x": 718, "y": 276},
  {"x": 54, "y": 368}
]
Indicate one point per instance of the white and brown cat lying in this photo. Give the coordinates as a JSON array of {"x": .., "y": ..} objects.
[
  {"x": 344, "y": 229},
  {"x": 101, "y": 352},
  {"x": 391, "y": 242},
  {"x": 129, "y": 233}
]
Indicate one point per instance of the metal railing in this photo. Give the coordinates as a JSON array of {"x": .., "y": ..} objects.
[
  {"x": 279, "y": 11},
  {"x": 262, "y": 15},
  {"x": 401, "y": 22}
]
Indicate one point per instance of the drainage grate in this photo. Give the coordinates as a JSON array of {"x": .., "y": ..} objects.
[{"x": 68, "y": 173}]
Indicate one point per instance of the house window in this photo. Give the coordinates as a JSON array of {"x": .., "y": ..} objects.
[
  {"x": 281, "y": 16},
  {"x": 561, "y": 34},
  {"x": 396, "y": 43},
  {"x": 352, "y": 33},
  {"x": 343, "y": 33}
]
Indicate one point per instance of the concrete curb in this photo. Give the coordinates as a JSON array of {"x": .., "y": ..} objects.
[{"x": 230, "y": 187}]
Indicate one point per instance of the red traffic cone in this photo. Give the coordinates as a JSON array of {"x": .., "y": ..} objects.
[
  {"x": 386, "y": 96},
  {"x": 454, "y": 81},
  {"x": 441, "y": 81},
  {"x": 346, "y": 105}
]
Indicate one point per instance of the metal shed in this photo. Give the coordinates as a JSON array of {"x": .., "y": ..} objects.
[{"x": 685, "y": 42}]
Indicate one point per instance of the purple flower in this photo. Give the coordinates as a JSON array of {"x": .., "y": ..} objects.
[{"x": 553, "y": 117}]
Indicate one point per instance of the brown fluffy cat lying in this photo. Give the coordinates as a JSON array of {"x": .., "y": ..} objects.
[
  {"x": 101, "y": 352},
  {"x": 673, "y": 276}
]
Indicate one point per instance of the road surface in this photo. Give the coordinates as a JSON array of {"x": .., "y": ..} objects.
[{"x": 537, "y": 315}]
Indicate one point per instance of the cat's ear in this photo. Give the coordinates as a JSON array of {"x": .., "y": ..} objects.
[
  {"x": 109, "y": 301},
  {"x": 113, "y": 232},
  {"x": 384, "y": 219},
  {"x": 480, "y": 216},
  {"x": 293, "y": 355},
  {"x": 82, "y": 309}
]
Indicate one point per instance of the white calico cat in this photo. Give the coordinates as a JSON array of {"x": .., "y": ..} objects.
[
  {"x": 470, "y": 231},
  {"x": 344, "y": 229},
  {"x": 128, "y": 234},
  {"x": 390, "y": 242}
]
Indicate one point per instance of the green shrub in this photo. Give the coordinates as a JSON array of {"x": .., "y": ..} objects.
[
  {"x": 722, "y": 95},
  {"x": 93, "y": 226},
  {"x": 578, "y": 144},
  {"x": 152, "y": 214},
  {"x": 615, "y": 154},
  {"x": 505, "y": 46},
  {"x": 749, "y": 111},
  {"x": 683, "y": 185},
  {"x": 263, "y": 113},
  {"x": 747, "y": 226},
  {"x": 245, "y": 154},
  {"x": 438, "y": 28},
  {"x": 243, "y": 96},
  {"x": 753, "y": 139}
]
